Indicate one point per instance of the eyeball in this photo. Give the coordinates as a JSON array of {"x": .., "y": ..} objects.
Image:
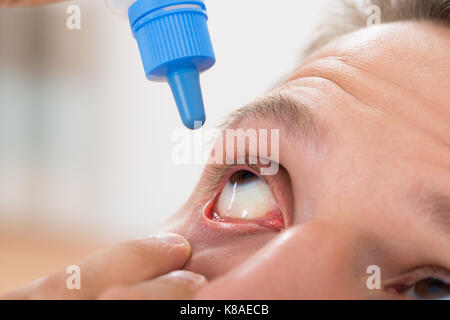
[
  {"x": 430, "y": 289},
  {"x": 246, "y": 197}
]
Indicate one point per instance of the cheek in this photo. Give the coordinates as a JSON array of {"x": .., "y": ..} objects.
[
  {"x": 213, "y": 253},
  {"x": 216, "y": 256}
]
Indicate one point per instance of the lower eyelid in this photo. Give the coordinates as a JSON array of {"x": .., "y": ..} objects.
[{"x": 238, "y": 227}]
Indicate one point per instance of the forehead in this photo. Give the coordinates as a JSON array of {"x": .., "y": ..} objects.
[
  {"x": 406, "y": 53},
  {"x": 399, "y": 71}
]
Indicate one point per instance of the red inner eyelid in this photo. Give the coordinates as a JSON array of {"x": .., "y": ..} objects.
[
  {"x": 275, "y": 219},
  {"x": 272, "y": 220}
]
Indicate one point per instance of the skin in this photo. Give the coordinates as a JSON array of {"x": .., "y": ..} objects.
[
  {"x": 385, "y": 106},
  {"x": 348, "y": 204}
]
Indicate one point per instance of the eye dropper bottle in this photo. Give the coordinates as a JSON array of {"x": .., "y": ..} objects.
[{"x": 175, "y": 46}]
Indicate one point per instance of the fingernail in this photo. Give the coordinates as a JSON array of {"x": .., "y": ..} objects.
[
  {"x": 171, "y": 238},
  {"x": 188, "y": 276}
]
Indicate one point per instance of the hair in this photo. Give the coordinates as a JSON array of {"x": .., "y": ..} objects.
[{"x": 352, "y": 15}]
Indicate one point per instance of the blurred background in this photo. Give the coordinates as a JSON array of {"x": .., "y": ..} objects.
[{"x": 85, "y": 139}]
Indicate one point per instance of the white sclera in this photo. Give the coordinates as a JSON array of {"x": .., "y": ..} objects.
[
  {"x": 248, "y": 200},
  {"x": 119, "y": 7}
]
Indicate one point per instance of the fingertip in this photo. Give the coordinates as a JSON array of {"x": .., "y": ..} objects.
[
  {"x": 175, "y": 246},
  {"x": 188, "y": 277},
  {"x": 173, "y": 239}
]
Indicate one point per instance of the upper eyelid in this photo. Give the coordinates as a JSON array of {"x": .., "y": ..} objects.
[
  {"x": 214, "y": 173},
  {"x": 410, "y": 277},
  {"x": 439, "y": 272}
]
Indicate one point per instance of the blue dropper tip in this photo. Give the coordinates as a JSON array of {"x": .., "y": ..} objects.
[{"x": 186, "y": 89}]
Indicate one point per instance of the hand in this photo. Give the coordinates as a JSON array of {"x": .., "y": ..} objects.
[
  {"x": 11, "y": 3},
  {"x": 138, "y": 269}
]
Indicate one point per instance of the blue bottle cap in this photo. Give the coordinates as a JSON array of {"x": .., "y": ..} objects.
[{"x": 175, "y": 46}]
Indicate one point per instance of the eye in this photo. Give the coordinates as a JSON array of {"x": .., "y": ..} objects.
[
  {"x": 429, "y": 289},
  {"x": 246, "y": 198}
]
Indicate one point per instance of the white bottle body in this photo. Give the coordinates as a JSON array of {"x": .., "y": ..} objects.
[{"x": 119, "y": 7}]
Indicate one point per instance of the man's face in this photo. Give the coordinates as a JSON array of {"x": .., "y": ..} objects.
[{"x": 364, "y": 177}]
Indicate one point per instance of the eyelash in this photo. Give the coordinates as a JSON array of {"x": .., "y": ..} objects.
[
  {"x": 216, "y": 175},
  {"x": 404, "y": 283}
]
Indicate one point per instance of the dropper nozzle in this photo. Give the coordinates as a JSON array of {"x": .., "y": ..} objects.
[
  {"x": 185, "y": 85},
  {"x": 175, "y": 46}
]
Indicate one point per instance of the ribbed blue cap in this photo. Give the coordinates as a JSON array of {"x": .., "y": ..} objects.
[{"x": 175, "y": 46}]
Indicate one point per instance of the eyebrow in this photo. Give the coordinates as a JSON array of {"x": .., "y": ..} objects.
[
  {"x": 296, "y": 118},
  {"x": 435, "y": 203}
]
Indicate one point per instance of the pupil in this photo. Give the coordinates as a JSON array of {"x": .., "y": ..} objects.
[
  {"x": 433, "y": 288},
  {"x": 242, "y": 177}
]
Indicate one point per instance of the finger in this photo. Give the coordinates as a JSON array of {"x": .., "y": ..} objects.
[
  {"x": 177, "y": 285},
  {"x": 11, "y": 3},
  {"x": 22, "y": 293},
  {"x": 126, "y": 264}
]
